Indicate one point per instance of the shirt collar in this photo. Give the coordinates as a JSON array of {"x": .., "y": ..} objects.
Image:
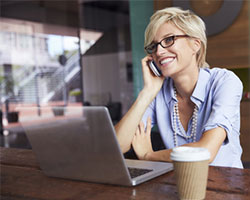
[
  {"x": 200, "y": 88},
  {"x": 169, "y": 90},
  {"x": 199, "y": 92}
]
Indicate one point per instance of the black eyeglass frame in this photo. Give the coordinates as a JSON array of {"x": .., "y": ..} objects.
[{"x": 160, "y": 43}]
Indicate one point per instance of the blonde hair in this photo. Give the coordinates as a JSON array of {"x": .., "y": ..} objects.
[{"x": 186, "y": 21}]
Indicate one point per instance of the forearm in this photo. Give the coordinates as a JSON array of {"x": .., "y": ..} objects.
[
  {"x": 126, "y": 128},
  {"x": 212, "y": 140},
  {"x": 162, "y": 155}
]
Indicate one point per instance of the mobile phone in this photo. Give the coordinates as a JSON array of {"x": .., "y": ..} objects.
[{"x": 154, "y": 68}]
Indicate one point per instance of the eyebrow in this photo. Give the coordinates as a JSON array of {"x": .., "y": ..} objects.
[{"x": 165, "y": 36}]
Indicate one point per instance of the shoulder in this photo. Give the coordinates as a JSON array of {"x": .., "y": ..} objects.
[
  {"x": 218, "y": 73},
  {"x": 224, "y": 84},
  {"x": 222, "y": 76}
]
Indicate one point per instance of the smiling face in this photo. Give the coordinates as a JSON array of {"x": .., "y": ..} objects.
[{"x": 178, "y": 58}]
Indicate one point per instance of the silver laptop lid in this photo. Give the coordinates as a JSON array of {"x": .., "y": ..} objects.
[{"x": 78, "y": 143}]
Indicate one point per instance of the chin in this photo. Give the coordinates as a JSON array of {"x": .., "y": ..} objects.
[{"x": 167, "y": 73}]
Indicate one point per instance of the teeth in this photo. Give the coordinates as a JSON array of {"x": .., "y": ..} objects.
[{"x": 166, "y": 60}]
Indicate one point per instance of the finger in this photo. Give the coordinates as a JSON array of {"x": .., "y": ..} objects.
[
  {"x": 133, "y": 140},
  {"x": 137, "y": 132},
  {"x": 148, "y": 129},
  {"x": 142, "y": 128},
  {"x": 145, "y": 61}
]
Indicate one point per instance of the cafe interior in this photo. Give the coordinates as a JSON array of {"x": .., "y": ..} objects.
[{"x": 73, "y": 53}]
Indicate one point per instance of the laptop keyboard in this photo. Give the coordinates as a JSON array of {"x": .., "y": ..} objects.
[{"x": 134, "y": 172}]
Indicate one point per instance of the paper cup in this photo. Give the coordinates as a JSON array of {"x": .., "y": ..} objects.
[{"x": 191, "y": 171}]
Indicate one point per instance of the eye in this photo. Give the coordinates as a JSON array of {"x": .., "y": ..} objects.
[
  {"x": 168, "y": 40},
  {"x": 151, "y": 47}
]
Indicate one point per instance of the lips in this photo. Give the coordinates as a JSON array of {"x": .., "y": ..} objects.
[{"x": 167, "y": 60}]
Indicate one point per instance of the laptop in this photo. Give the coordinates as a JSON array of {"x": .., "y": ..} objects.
[{"x": 79, "y": 143}]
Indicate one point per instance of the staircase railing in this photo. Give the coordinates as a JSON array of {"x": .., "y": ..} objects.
[
  {"x": 33, "y": 84},
  {"x": 62, "y": 76}
]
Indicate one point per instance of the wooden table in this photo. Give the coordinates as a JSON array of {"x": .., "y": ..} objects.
[{"x": 22, "y": 179}]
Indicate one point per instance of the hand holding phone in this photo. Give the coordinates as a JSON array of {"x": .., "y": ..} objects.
[{"x": 155, "y": 69}]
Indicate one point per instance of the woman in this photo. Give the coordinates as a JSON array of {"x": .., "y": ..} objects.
[{"x": 191, "y": 104}]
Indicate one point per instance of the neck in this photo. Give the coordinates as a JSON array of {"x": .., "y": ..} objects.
[{"x": 185, "y": 83}]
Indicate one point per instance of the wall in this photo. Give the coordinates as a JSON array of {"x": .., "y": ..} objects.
[
  {"x": 104, "y": 77},
  {"x": 140, "y": 12},
  {"x": 245, "y": 131}
]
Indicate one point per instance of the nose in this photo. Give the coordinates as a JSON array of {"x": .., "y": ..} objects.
[{"x": 159, "y": 50}]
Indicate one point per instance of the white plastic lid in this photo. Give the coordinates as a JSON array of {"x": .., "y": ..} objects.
[{"x": 189, "y": 154}]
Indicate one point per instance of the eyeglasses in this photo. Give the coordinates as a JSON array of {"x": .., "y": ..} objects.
[{"x": 165, "y": 43}]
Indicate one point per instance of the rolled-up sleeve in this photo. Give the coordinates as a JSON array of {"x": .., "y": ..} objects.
[
  {"x": 150, "y": 112},
  {"x": 225, "y": 110}
]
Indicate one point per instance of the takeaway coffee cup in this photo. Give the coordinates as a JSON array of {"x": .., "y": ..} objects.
[{"x": 191, "y": 171}]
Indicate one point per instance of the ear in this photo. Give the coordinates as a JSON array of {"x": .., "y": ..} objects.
[{"x": 196, "y": 45}]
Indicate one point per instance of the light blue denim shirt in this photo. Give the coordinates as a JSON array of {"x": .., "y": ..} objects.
[{"x": 217, "y": 94}]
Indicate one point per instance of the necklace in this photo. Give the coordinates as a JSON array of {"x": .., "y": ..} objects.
[{"x": 178, "y": 123}]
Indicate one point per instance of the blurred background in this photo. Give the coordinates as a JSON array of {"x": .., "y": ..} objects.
[{"x": 88, "y": 52}]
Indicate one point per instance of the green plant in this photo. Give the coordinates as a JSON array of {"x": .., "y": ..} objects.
[
  {"x": 1, "y": 79},
  {"x": 75, "y": 92}
]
